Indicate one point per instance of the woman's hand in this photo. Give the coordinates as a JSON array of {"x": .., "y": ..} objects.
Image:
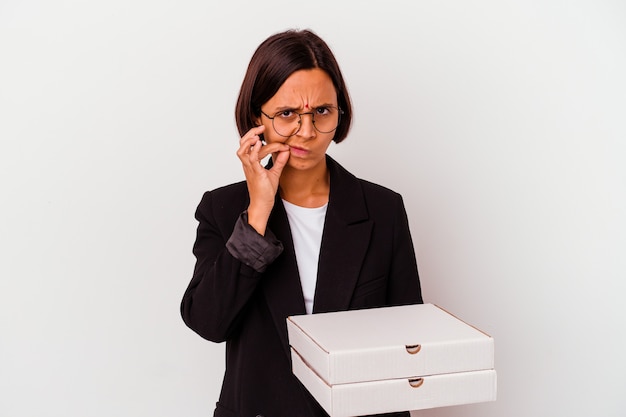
[{"x": 262, "y": 183}]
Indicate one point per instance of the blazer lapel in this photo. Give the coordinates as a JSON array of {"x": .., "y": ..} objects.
[
  {"x": 281, "y": 285},
  {"x": 345, "y": 240}
]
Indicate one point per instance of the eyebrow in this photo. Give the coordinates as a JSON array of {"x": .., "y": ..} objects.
[{"x": 283, "y": 108}]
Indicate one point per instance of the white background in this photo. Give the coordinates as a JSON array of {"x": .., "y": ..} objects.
[{"x": 502, "y": 123}]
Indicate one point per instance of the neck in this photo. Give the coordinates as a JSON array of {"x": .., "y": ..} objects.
[{"x": 309, "y": 188}]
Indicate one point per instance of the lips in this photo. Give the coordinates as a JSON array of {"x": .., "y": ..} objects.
[{"x": 297, "y": 151}]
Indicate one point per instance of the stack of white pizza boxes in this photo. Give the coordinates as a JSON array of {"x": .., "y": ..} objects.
[{"x": 389, "y": 359}]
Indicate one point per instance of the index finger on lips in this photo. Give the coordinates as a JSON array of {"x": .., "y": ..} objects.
[{"x": 270, "y": 148}]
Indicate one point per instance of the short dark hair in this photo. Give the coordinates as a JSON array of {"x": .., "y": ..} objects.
[{"x": 274, "y": 61}]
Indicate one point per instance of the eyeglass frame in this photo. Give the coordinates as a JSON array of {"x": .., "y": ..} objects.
[{"x": 300, "y": 120}]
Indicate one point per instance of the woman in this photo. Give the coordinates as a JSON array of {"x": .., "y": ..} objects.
[{"x": 301, "y": 235}]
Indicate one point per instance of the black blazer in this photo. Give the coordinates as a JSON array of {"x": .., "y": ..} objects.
[{"x": 366, "y": 260}]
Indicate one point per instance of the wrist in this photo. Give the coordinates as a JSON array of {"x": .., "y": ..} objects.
[{"x": 258, "y": 218}]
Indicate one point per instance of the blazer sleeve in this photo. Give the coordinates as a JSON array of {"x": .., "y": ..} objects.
[
  {"x": 404, "y": 284},
  {"x": 230, "y": 260}
]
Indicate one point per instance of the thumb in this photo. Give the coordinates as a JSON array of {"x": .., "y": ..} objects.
[{"x": 280, "y": 161}]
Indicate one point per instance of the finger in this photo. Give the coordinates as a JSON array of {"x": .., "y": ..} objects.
[
  {"x": 253, "y": 151},
  {"x": 271, "y": 148},
  {"x": 280, "y": 160},
  {"x": 247, "y": 144},
  {"x": 255, "y": 131},
  {"x": 252, "y": 158}
]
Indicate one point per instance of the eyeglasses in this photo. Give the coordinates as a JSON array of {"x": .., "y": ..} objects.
[{"x": 287, "y": 123}]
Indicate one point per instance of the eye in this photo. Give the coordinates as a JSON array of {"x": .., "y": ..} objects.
[
  {"x": 323, "y": 111},
  {"x": 286, "y": 114}
]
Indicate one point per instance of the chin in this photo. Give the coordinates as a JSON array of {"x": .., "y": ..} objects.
[{"x": 304, "y": 164}]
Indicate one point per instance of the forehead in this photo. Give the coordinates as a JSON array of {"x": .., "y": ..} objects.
[{"x": 304, "y": 88}]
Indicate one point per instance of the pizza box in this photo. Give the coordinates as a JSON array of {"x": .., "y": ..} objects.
[
  {"x": 394, "y": 395},
  {"x": 388, "y": 343},
  {"x": 390, "y": 359}
]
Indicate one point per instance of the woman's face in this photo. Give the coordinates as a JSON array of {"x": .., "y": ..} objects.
[{"x": 305, "y": 91}]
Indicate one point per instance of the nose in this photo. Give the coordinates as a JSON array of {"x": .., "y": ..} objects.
[{"x": 307, "y": 127}]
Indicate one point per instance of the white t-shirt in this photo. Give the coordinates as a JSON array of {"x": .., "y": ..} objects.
[{"x": 307, "y": 225}]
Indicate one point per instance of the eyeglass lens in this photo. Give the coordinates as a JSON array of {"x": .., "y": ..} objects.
[{"x": 324, "y": 119}]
